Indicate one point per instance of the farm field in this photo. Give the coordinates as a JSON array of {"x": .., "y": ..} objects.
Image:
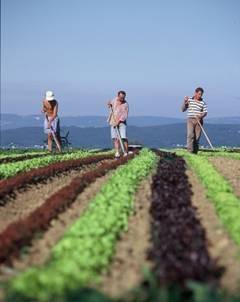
[{"x": 153, "y": 226}]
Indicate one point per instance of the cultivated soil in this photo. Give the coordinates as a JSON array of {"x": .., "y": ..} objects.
[
  {"x": 221, "y": 247},
  {"x": 230, "y": 169},
  {"x": 40, "y": 250},
  {"x": 24, "y": 201},
  {"x": 129, "y": 261}
]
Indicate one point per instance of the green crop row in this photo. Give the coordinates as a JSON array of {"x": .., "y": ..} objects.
[
  {"x": 11, "y": 169},
  {"x": 87, "y": 247},
  {"x": 46, "y": 153},
  {"x": 19, "y": 151},
  {"x": 233, "y": 155},
  {"x": 25, "y": 152},
  {"x": 217, "y": 153},
  {"x": 16, "y": 155},
  {"x": 219, "y": 191}
]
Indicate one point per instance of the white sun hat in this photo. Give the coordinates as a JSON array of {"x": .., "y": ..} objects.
[{"x": 49, "y": 96}]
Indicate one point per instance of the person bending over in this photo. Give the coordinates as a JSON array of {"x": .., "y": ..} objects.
[{"x": 51, "y": 122}]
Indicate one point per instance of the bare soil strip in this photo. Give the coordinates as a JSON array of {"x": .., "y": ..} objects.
[
  {"x": 39, "y": 251},
  {"x": 230, "y": 169},
  {"x": 220, "y": 247},
  {"x": 21, "y": 233},
  {"x": 36, "y": 175},
  {"x": 126, "y": 270},
  {"x": 27, "y": 200}
]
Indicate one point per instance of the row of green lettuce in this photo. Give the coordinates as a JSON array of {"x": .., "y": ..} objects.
[
  {"x": 233, "y": 155},
  {"x": 12, "y": 152},
  {"x": 19, "y": 155},
  {"x": 215, "y": 153},
  {"x": 219, "y": 191},
  {"x": 87, "y": 247},
  {"x": 10, "y": 169}
]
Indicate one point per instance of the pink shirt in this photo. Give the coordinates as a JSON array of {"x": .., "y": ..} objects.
[{"x": 120, "y": 110}]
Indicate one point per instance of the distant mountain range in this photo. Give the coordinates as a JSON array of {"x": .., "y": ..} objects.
[
  {"x": 13, "y": 121},
  {"x": 164, "y": 136}
]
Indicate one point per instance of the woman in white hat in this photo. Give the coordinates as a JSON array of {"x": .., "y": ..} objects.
[{"x": 51, "y": 122}]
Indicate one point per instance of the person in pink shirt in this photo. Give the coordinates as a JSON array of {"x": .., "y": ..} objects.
[{"x": 119, "y": 119}]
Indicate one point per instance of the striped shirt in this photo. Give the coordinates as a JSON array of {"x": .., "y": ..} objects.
[{"x": 195, "y": 108}]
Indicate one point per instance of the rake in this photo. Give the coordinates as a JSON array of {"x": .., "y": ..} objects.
[
  {"x": 118, "y": 134},
  {"x": 205, "y": 134},
  {"x": 54, "y": 136}
]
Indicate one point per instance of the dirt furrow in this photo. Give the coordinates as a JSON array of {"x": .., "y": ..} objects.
[
  {"x": 230, "y": 169},
  {"x": 220, "y": 247},
  {"x": 28, "y": 199},
  {"x": 20, "y": 234},
  {"x": 37, "y": 175},
  {"x": 40, "y": 249},
  {"x": 126, "y": 270}
]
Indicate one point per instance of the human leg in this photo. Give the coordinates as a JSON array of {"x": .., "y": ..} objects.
[
  {"x": 190, "y": 135},
  {"x": 198, "y": 132}
]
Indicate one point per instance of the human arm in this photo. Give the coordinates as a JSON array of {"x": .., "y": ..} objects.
[
  {"x": 202, "y": 115},
  {"x": 55, "y": 113},
  {"x": 43, "y": 107},
  {"x": 204, "y": 112},
  {"x": 185, "y": 104},
  {"x": 110, "y": 103}
]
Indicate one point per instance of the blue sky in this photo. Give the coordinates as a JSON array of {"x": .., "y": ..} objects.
[{"x": 86, "y": 50}]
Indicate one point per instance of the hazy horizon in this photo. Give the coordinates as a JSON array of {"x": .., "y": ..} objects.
[
  {"x": 182, "y": 116},
  {"x": 104, "y": 115},
  {"x": 85, "y": 51}
]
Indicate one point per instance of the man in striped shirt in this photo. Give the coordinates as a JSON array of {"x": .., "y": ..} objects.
[{"x": 196, "y": 111}]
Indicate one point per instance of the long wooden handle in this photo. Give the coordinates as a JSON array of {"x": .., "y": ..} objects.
[
  {"x": 204, "y": 132},
  {"x": 54, "y": 136},
  {"x": 118, "y": 133}
]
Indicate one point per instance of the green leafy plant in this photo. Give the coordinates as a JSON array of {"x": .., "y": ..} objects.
[
  {"x": 233, "y": 155},
  {"x": 219, "y": 191},
  {"x": 16, "y": 155},
  {"x": 87, "y": 247},
  {"x": 11, "y": 169},
  {"x": 19, "y": 151}
]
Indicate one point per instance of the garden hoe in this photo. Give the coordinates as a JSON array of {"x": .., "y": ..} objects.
[
  {"x": 118, "y": 134},
  {"x": 54, "y": 137},
  {"x": 205, "y": 134}
]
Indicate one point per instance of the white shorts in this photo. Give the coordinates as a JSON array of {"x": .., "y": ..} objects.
[
  {"x": 55, "y": 126},
  {"x": 122, "y": 129}
]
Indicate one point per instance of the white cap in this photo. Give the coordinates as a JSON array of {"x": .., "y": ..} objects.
[{"x": 49, "y": 96}]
